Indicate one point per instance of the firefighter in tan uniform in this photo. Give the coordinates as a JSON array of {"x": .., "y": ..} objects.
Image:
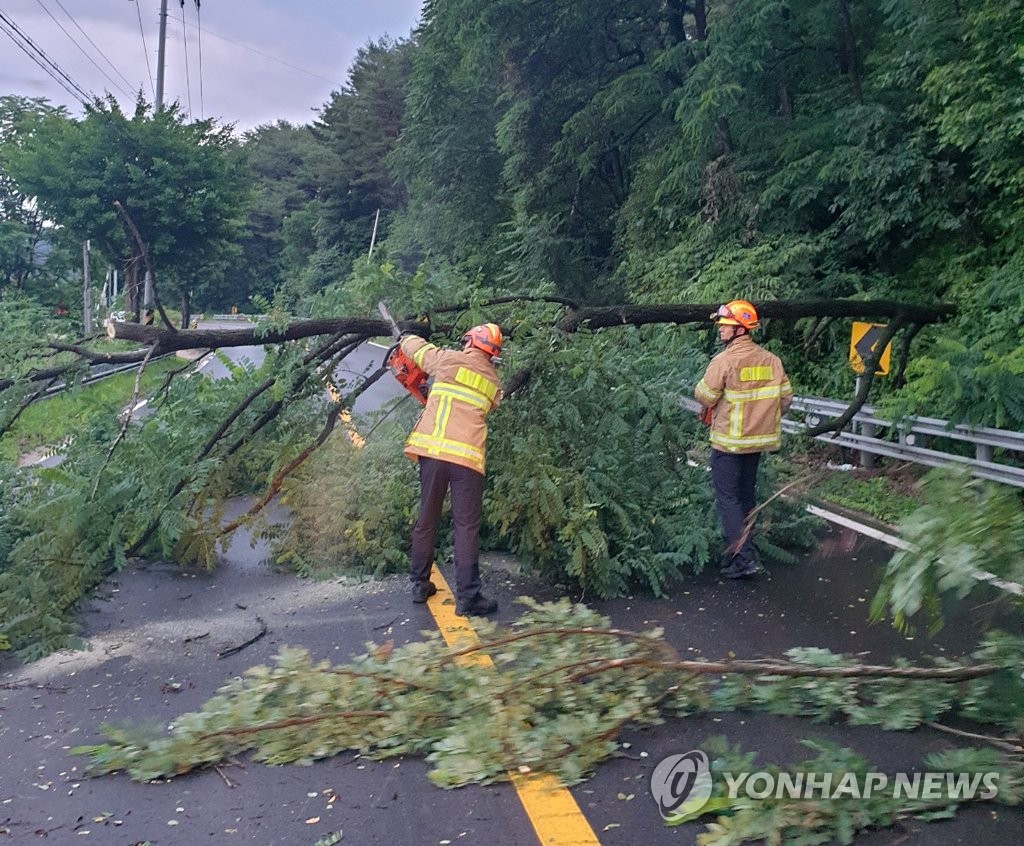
[
  {"x": 449, "y": 443},
  {"x": 746, "y": 390}
]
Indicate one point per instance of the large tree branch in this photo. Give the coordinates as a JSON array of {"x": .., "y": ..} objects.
[
  {"x": 274, "y": 488},
  {"x": 593, "y": 318},
  {"x": 314, "y": 358},
  {"x": 168, "y": 341},
  {"x": 641, "y": 315},
  {"x": 863, "y": 384}
]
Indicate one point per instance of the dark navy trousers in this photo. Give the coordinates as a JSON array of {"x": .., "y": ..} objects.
[
  {"x": 734, "y": 478},
  {"x": 467, "y": 487}
]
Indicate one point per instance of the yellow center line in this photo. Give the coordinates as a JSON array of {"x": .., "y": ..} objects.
[
  {"x": 556, "y": 818},
  {"x": 554, "y": 814},
  {"x": 345, "y": 416}
]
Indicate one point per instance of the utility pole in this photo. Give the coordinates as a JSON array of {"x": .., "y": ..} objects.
[
  {"x": 373, "y": 237},
  {"x": 160, "y": 53},
  {"x": 86, "y": 294},
  {"x": 147, "y": 299}
]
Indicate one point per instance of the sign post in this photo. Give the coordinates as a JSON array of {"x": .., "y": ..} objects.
[{"x": 864, "y": 337}]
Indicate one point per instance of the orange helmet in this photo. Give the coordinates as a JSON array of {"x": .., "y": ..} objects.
[
  {"x": 736, "y": 313},
  {"x": 486, "y": 337}
]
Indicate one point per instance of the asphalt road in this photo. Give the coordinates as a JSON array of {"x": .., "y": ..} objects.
[{"x": 154, "y": 634}]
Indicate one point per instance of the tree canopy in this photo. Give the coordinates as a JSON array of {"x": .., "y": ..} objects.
[{"x": 172, "y": 178}]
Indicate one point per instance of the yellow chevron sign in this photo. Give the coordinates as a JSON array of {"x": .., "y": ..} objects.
[{"x": 863, "y": 340}]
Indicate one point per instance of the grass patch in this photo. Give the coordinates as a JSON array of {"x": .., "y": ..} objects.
[
  {"x": 48, "y": 422},
  {"x": 877, "y": 496}
]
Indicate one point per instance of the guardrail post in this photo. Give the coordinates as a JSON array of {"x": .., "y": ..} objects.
[
  {"x": 868, "y": 430},
  {"x": 983, "y": 452}
]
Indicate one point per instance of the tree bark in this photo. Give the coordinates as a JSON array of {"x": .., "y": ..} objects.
[
  {"x": 591, "y": 318},
  {"x": 640, "y": 315},
  {"x": 849, "y": 48},
  {"x": 168, "y": 341}
]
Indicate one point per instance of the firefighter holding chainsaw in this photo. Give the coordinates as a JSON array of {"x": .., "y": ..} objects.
[
  {"x": 745, "y": 391},
  {"x": 449, "y": 443}
]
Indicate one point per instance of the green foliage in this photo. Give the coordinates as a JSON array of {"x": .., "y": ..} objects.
[
  {"x": 589, "y": 475},
  {"x": 877, "y": 496},
  {"x": 28, "y": 259},
  {"x": 283, "y": 162},
  {"x": 472, "y": 722},
  {"x": 177, "y": 180},
  {"x": 157, "y": 492},
  {"x": 973, "y": 372},
  {"x": 890, "y": 703},
  {"x": 523, "y": 700},
  {"x": 23, "y": 321},
  {"x": 966, "y": 534},
  {"x": 352, "y": 508},
  {"x": 974, "y": 95},
  {"x": 50, "y": 423},
  {"x": 999, "y": 699}
]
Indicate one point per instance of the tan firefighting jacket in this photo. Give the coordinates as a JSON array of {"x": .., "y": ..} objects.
[
  {"x": 748, "y": 391},
  {"x": 465, "y": 389}
]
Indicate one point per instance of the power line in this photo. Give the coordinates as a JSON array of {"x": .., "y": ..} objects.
[
  {"x": 188, "y": 79},
  {"x": 259, "y": 52},
  {"x": 145, "y": 49},
  {"x": 81, "y": 48},
  {"x": 199, "y": 27},
  {"x": 44, "y": 61}
]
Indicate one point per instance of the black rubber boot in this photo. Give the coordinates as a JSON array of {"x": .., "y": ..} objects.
[
  {"x": 422, "y": 591},
  {"x": 478, "y": 606}
]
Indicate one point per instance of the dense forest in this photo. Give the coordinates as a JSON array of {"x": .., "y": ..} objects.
[{"x": 583, "y": 153}]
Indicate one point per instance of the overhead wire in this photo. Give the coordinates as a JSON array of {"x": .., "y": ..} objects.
[
  {"x": 251, "y": 49},
  {"x": 74, "y": 41},
  {"x": 145, "y": 49},
  {"x": 59, "y": 75},
  {"x": 199, "y": 27},
  {"x": 188, "y": 80}
]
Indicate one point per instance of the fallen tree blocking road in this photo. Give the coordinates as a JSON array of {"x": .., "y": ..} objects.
[{"x": 170, "y": 340}]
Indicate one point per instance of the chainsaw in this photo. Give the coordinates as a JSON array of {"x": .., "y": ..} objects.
[{"x": 410, "y": 375}]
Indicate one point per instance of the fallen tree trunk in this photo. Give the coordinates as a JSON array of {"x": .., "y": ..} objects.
[
  {"x": 592, "y": 318},
  {"x": 641, "y": 315},
  {"x": 167, "y": 340}
]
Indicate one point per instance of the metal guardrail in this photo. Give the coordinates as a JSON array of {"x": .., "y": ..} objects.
[
  {"x": 915, "y": 439},
  {"x": 100, "y": 372}
]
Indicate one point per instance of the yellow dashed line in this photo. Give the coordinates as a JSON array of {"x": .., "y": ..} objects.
[
  {"x": 345, "y": 416},
  {"x": 554, "y": 814}
]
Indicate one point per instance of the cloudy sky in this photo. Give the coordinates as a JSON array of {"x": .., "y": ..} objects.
[{"x": 261, "y": 60}]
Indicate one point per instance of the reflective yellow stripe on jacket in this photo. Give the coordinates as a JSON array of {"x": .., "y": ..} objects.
[
  {"x": 748, "y": 390},
  {"x": 453, "y": 424},
  {"x": 442, "y": 447},
  {"x": 465, "y": 376},
  {"x": 735, "y": 439}
]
